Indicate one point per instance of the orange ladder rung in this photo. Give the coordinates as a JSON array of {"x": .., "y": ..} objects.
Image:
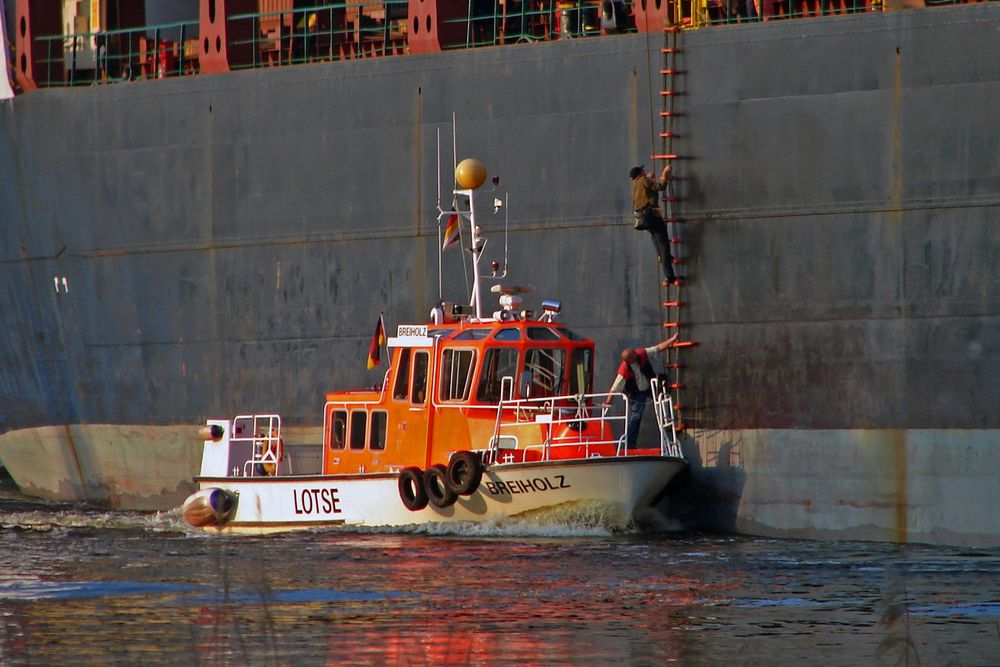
[
  {"x": 666, "y": 156},
  {"x": 680, "y": 426},
  {"x": 669, "y": 91},
  {"x": 676, "y": 281},
  {"x": 677, "y": 385},
  {"x": 674, "y": 365},
  {"x": 670, "y": 49},
  {"x": 683, "y": 343},
  {"x": 671, "y": 325},
  {"x": 670, "y": 71},
  {"x": 676, "y": 242},
  {"x": 668, "y": 135},
  {"x": 673, "y": 304},
  {"x": 670, "y": 114}
]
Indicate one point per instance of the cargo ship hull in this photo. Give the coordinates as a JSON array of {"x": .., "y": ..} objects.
[{"x": 839, "y": 179}]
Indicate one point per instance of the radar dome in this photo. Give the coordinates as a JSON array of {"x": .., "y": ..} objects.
[{"x": 470, "y": 173}]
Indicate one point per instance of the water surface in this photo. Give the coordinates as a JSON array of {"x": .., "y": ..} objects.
[{"x": 88, "y": 587}]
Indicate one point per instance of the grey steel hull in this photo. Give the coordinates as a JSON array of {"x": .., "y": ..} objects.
[{"x": 228, "y": 241}]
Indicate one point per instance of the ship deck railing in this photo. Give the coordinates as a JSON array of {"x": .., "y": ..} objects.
[
  {"x": 111, "y": 56},
  {"x": 366, "y": 28}
]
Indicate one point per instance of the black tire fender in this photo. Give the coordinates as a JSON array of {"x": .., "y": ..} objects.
[
  {"x": 411, "y": 489},
  {"x": 436, "y": 487},
  {"x": 465, "y": 472}
]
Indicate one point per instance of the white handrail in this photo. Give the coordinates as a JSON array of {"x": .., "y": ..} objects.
[
  {"x": 576, "y": 412},
  {"x": 265, "y": 434}
]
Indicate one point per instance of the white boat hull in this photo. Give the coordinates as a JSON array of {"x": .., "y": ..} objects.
[{"x": 620, "y": 485}]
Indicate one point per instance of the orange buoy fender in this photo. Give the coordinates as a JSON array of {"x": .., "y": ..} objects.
[
  {"x": 209, "y": 507},
  {"x": 411, "y": 489},
  {"x": 465, "y": 472},
  {"x": 470, "y": 173}
]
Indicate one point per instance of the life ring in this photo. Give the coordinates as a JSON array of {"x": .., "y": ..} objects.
[
  {"x": 411, "y": 489},
  {"x": 436, "y": 487},
  {"x": 465, "y": 472}
]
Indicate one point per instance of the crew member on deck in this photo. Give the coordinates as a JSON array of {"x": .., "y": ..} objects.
[{"x": 633, "y": 378}]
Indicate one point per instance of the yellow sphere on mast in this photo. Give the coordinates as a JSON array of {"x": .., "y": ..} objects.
[{"x": 470, "y": 173}]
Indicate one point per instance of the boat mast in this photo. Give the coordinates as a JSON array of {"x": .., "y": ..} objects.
[
  {"x": 478, "y": 243},
  {"x": 469, "y": 175}
]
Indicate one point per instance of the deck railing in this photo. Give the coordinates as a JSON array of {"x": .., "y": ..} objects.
[
  {"x": 111, "y": 56},
  {"x": 578, "y": 421},
  {"x": 263, "y": 435},
  {"x": 365, "y": 28}
]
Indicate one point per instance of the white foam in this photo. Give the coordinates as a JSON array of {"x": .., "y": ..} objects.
[{"x": 48, "y": 520}]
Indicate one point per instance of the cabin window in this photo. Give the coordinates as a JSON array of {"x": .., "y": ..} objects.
[
  {"x": 338, "y": 429},
  {"x": 402, "y": 385},
  {"x": 569, "y": 333},
  {"x": 581, "y": 376},
  {"x": 472, "y": 334},
  {"x": 542, "y": 333},
  {"x": 359, "y": 420},
  {"x": 508, "y": 333},
  {"x": 456, "y": 374},
  {"x": 543, "y": 372},
  {"x": 498, "y": 363},
  {"x": 376, "y": 436},
  {"x": 418, "y": 394}
]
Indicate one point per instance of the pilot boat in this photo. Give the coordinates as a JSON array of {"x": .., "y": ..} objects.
[{"x": 482, "y": 416}]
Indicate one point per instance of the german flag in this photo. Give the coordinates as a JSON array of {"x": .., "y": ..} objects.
[
  {"x": 451, "y": 235},
  {"x": 375, "y": 349}
]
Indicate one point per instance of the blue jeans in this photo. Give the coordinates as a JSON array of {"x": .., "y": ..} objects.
[{"x": 635, "y": 409}]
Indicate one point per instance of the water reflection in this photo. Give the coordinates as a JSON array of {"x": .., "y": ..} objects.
[{"x": 141, "y": 589}]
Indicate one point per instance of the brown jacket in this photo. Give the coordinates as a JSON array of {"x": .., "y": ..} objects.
[{"x": 644, "y": 191}]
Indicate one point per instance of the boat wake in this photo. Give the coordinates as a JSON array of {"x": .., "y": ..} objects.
[
  {"x": 41, "y": 520},
  {"x": 576, "y": 519}
]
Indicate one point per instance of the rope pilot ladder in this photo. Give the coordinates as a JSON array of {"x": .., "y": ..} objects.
[{"x": 672, "y": 294}]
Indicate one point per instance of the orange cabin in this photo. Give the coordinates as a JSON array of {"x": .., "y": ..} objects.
[{"x": 516, "y": 389}]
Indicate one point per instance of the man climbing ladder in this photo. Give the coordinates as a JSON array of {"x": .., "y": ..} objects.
[{"x": 648, "y": 216}]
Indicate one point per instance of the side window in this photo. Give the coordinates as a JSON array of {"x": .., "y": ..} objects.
[
  {"x": 498, "y": 363},
  {"x": 581, "y": 375},
  {"x": 376, "y": 437},
  {"x": 402, "y": 386},
  {"x": 543, "y": 373},
  {"x": 359, "y": 419},
  {"x": 456, "y": 374},
  {"x": 338, "y": 429},
  {"x": 419, "y": 392}
]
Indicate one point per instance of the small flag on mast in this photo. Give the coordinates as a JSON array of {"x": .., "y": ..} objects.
[
  {"x": 378, "y": 340},
  {"x": 451, "y": 235}
]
